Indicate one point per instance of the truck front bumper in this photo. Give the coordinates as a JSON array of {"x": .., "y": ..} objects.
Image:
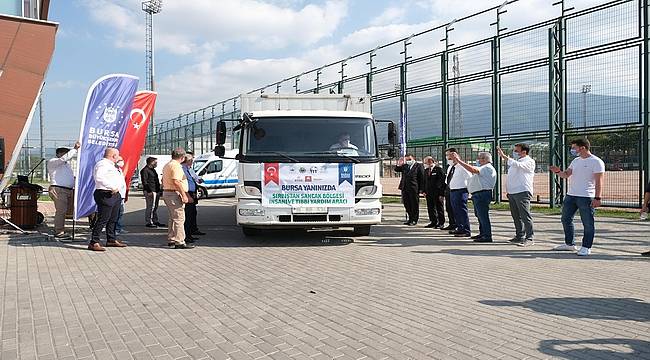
[{"x": 250, "y": 213}]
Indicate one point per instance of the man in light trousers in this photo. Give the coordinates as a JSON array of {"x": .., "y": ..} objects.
[
  {"x": 175, "y": 188},
  {"x": 61, "y": 187},
  {"x": 519, "y": 186}
]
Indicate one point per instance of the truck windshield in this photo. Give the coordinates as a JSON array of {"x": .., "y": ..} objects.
[{"x": 311, "y": 137}]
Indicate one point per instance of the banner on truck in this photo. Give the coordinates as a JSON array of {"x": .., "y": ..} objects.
[
  {"x": 308, "y": 185},
  {"x": 108, "y": 105}
]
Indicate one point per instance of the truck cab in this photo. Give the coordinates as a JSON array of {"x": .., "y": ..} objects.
[{"x": 307, "y": 161}]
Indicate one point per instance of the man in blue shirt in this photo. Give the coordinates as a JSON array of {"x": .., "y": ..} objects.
[{"x": 191, "y": 227}]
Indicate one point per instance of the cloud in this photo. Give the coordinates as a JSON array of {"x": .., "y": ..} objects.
[
  {"x": 389, "y": 16},
  {"x": 65, "y": 84},
  {"x": 184, "y": 27}
]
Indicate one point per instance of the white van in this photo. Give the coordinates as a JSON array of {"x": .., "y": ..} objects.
[{"x": 219, "y": 174}]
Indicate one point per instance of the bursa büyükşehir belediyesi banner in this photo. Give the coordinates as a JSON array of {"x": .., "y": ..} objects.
[{"x": 106, "y": 113}]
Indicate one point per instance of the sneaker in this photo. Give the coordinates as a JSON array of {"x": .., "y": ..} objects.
[
  {"x": 515, "y": 240},
  {"x": 584, "y": 251},
  {"x": 565, "y": 247},
  {"x": 526, "y": 243},
  {"x": 123, "y": 231}
]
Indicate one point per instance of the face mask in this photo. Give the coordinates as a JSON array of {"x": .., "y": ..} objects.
[
  {"x": 426, "y": 166},
  {"x": 477, "y": 163},
  {"x": 450, "y": 162},
  {"x": 574, "y": 152},
  {"x": 120, "y": 163},
  {"x": 410, "y": 162},
  {"x": 516, "y": 155}
]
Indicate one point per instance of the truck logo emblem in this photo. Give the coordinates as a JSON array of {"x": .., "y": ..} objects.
[{"x": 302, "y": 170}]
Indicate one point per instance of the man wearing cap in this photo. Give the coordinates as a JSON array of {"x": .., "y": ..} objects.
[{"x": 61, "y": 187}]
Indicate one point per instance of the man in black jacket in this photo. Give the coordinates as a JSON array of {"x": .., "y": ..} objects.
[
  {"x": 411, "y": 184},
  {"x": 152, "y": 191},
  {"x": 434, "y": 189}
]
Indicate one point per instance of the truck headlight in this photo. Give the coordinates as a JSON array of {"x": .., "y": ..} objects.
[
  {"x": 252, "y": 191},
  {"x": 251, "y": 212},
  {"x": 367, "y": 191},
  {"x": 365, "y": 212}
]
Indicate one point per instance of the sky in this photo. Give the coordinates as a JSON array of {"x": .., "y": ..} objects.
[{"x": 210, "y": 50}]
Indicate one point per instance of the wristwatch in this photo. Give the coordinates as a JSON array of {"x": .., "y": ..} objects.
[{"x": 597, "y": 198}]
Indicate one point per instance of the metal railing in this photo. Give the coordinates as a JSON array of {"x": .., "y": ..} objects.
[{"x": 582, "y": 73}]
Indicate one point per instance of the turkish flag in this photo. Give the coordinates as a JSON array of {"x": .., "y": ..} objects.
[
  {"x": 271, "y": 173},
  {"x": 132, "y": 142}
]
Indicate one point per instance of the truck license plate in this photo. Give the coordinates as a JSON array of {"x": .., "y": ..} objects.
[{"x": 310, "y": 210}]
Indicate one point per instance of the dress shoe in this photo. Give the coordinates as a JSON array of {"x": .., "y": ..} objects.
[
  {"x": 462, "y": 234},
  {"x": 407, "y": 222},
  {"x": 483, "y": 240},
  {"x": 476, "y": 237},
  {"x": 115, "y": 243},
  {"x": 160, "y": 225},
  {"x": 151, "y": 225},
  {"x": 431, "y": 225},
  {"x": 198, "y": 233},
  {"x": 647, "y": 253},
  {"x": 448, "y": 227},
  {"x": 171, "y": 244},
  {"x": 413, "y": 223},
  {"x": 190, "y": 240},
  {"x": 96, "y": 247},
  {"x": 515, "y": 240},
  {"x": 183, "y": 246},
  {"x": 452, "y": 232}
]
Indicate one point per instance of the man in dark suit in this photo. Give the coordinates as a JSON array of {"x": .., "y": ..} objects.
[
  {"x": 434, "y": 189},
  {"x": 411, "y": 184}
]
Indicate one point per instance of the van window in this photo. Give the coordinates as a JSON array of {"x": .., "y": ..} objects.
[{"x": 214, "y": 167}]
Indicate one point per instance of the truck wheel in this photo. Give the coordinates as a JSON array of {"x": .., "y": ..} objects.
[
  {"x": 362, "y": 230},
  {"x": 248, "y": 231},
  {"x": 202, "y": 193}
]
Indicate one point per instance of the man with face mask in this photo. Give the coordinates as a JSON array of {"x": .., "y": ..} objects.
[
  {"x": 519, "y": 186},
  {"x": 434, "y": 190},
  {"x": 108, "y": 182},
  {"x": 480, "y": 185},
  {"x": 411, "y": 184},
  {"x": 152, "y": 191},
  {"x": 587, "y": 172},
  {"x": 119, "y": 226},
  {"x": 458, "y": 195}
]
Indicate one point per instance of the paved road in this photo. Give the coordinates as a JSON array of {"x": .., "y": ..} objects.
[{"x": 402, "y": 293}]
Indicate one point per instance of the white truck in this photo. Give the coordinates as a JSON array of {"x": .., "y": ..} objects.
[{"x": 306, "y": 161}]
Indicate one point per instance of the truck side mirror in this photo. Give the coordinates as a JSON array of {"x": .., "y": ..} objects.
[
  {"x": 219, "y": 151},
  {"x": 392, "y": 134},
  {"x": 221, "y": 132}
]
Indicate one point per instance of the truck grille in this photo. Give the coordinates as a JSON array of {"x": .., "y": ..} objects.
[{"x": 309, "y": 218}]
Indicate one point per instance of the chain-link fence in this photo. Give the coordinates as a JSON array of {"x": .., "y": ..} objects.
[{"x": 582, "y": 73}]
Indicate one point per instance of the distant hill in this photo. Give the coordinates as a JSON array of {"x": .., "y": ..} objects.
[{"x": 520, "y": 112}]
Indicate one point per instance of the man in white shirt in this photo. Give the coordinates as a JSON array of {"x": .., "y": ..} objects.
[
  {"x": 458, "y": 195},
  {"x": 61, "y": 187},
  {"x": 480, "y": 185},
  {"x": 344, "y": 146},
  {"x": 108, "y": 183},
  {"x": 587, "y": 172},
  {"x": 119, "y": 226},
  {"x": 519, "y": 186}
]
